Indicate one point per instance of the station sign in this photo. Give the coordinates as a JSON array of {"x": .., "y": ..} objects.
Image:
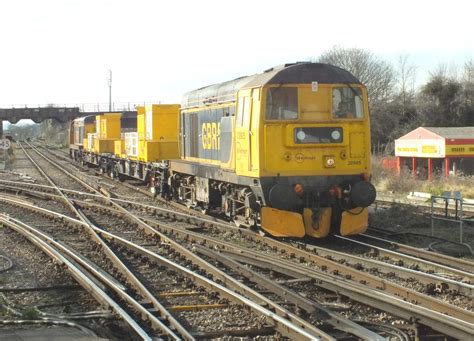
[
  {"x": 460, "y": 149},
  {"x": 5, "y": 144},
  {"x": 420, "y": 148}
]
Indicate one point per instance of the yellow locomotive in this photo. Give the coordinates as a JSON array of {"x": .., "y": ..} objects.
[{"x": 287, "y": 149}]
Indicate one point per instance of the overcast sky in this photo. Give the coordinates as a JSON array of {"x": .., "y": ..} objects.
[{"x": 60, "y": 51}]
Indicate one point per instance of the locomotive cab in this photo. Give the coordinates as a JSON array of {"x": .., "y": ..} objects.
[
  {"x": 78, "y": 131},
  {"x": 307, "y": 146}
]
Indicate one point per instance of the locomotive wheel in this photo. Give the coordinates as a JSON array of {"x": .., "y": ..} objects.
[{"x": 240, "y": 222}]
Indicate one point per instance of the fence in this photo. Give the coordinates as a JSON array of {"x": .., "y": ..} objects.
[
  {"x": 86, "y": 107},
  {"x": 383, "y": 149}
]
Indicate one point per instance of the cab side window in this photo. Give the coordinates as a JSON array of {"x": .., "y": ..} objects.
[
  {"x": 282, "y": 104},
  {"x": 243, "y": 111},
  {"x": 347, "y": 103}
]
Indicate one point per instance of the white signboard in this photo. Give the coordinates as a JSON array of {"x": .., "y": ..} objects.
[
  {"x": 420, "y": 148},
  {"x": 5, "y": 144},
  {"x": 131, "y": 144}
]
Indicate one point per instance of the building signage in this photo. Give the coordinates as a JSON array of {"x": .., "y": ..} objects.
[
  {"x": 429, "y": 149},
  {"x": 462, "y": 149},
  {"x": 419, "y": 148}
]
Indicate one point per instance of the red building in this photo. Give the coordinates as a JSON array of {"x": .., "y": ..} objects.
[{"x": 443, "y": 150}]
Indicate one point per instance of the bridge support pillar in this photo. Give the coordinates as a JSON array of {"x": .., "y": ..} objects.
[{"x": 1, "y": 129}]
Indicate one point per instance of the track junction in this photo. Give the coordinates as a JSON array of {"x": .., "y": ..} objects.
[{"x": 168, "y": 272}]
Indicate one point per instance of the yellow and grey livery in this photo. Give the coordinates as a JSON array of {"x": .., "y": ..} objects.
[{"x": 287, "y": 149}]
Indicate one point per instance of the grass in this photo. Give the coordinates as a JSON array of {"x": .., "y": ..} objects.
[
  {"x": 400, "y": 218},
  {"x": 30, "y": 314},
  {"x": 387, "y": 181}
]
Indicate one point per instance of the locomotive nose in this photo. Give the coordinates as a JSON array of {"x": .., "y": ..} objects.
[{"x": 363, "y": 194}]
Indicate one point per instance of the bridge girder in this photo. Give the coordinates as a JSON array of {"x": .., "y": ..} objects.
[{"x": 61, "y": 114}]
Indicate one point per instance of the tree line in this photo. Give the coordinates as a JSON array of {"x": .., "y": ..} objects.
[{"x": 396, "y": 105}]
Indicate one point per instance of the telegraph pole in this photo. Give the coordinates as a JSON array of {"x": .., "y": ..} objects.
[{"x": 109, "y": 81}]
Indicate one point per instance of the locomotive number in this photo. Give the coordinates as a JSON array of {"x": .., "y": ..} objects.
[
  {"x": 354, "y": 162},
  {"x": 211, "y": 135}
]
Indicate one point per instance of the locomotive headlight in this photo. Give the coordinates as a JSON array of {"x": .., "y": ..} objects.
[
  {"x": 336, "y": 135},
  {"x": 329, "y": 161},
  {"x": 300, "y": 135}
]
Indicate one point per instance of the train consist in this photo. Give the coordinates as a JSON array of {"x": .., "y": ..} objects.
[{"x": 287, "y": 150}]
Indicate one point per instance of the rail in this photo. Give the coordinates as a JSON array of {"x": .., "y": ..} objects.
[
  {"x": 115, "y": 260},
  {"x": 438, "y": 261},
  {"x": 429, "y": 317},
  {"x": 81, "y": 277},
  {"x": 292, "y": 327}
]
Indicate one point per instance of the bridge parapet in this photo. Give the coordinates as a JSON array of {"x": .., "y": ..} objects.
[{"x": 62, "y": 114}]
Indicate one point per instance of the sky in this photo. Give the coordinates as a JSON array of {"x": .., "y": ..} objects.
[{"x": 60, "y": 51}]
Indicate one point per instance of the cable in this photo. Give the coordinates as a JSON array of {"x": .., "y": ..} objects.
[
  {"x": 85, "y": 330},
  {"x": 75, "y": 316},
  {"x": 431, "y": 246},
  {"x": 390, "y": 330},
  {"x": 348, "y": 210},
  {"x": 9, "y": 262}
]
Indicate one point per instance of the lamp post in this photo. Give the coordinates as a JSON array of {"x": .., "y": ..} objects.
[{"x": 109, "y": 81}]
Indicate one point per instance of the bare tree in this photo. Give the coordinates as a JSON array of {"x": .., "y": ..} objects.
[
  {"x": 469, "y": 71},
  {"x": 376, "y": 74},
  {"x": 440, "y": 101},
  {"x": 406, "y": 81},
  {"x": 468, "y": 93},
  {"x": 379, "y": 78}
]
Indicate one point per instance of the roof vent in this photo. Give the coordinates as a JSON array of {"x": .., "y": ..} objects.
[{"x": 282, "y": 66}]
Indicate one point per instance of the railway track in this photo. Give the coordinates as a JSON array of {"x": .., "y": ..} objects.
[
  {"x": 58, "y": 254},
  {"x": 92, "y": 244},
  {"x": 371, "y": 334},
  {"x": 277, "y": 323},
  {"x": 425, "y": 259},
  {"x": 197, "y": 294},
  {"x": 439, "y": 208},
  {"x": 230, "y": 246},
  {"x": 236, "y": 285},
  {"x": 191, "y": 231},
  {"x": 36, "y": 290}
]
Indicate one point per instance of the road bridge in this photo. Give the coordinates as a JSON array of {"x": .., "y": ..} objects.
[{"x": 59, "y": 113}]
